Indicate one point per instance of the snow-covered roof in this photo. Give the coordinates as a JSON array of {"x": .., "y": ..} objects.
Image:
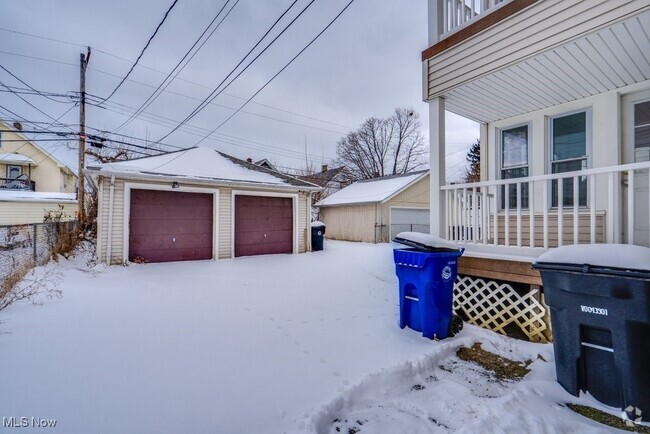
[
  {"x": 9, "y": 158},
  {"x": 203, "y": 164},
  {"x": 36, "y": 196},
  {"x": 372, "y": 190}
]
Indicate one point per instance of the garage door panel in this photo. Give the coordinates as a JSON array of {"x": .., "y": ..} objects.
[
  {"x": 264, "y": 249},
  {"x": 170, "y": 226},
  {"x": 263, "y": 225},
  {"x": 174, "y": 255},
  {"x": 409, "y": 220},
  {"x": 255, "y": 223},
  {"x": 165, "y": 241}
]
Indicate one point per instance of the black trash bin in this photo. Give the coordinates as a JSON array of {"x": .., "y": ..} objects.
[
  {"x": 599, "y": 296},
  {"x": 317, "y": 235}
]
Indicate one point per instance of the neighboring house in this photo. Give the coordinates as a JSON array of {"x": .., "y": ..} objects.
[
  {"x": 561, "y": 90},
  {"x": 375, "y": 210},
  {"x": 267, "y": 164},
  {"x": 331, "y": 180},
  {"x": 32, "y": 181},
  {"x": 198, "y": 204}
]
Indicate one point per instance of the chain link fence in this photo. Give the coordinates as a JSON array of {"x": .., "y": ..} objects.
[{"x": 30, "y": 245}]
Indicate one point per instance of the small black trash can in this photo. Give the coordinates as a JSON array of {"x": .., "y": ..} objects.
[
  {"x": 599, "y": 296},
  {"x": 317, "y": 235}
]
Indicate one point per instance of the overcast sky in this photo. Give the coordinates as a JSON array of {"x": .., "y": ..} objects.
[{"x": 366, "y": 64}]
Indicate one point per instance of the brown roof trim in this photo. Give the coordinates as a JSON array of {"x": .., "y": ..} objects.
[{"x": 490, "y": 19}]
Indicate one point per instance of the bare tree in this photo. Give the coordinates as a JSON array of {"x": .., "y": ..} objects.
[{"x": 382, "y": 147}]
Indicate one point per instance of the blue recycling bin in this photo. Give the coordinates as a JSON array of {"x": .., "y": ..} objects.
[{"x": 426, "y": 289}]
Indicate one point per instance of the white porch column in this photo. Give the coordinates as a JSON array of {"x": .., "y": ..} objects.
[
  {"x": 436, "y": 17},
  {"x": 437, "y": 164},
  {"x": 483, "y": 138}
]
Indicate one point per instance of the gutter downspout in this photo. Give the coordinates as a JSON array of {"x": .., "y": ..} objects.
[
  {"x": 109, "y": 246},
  {"x": 308, "y": 227}
]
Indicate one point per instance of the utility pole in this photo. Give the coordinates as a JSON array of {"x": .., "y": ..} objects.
[{"x": 84, "y": 58}]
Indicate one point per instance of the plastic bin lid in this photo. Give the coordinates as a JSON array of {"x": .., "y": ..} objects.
[
  {"x": 615, "y": 257},
  {"x": 424, "y": 242},
  {"x": 317, "y": 224}
]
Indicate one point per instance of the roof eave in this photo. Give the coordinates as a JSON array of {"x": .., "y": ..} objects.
[{"x": 95, "y": 171}]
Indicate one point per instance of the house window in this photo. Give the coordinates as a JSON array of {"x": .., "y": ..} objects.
[
  {"x": 514, "y": 164},
  {"x": 642, "y": 132},
  {"x": 14, "y": 172},
  {"x": 568, "y": 154}
]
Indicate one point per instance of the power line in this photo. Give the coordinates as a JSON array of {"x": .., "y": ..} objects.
[
  {"x": 143, "y": 50},
  {"x": 30, "y": 87},
  {"x": 214, "y": 93},
  {"x": 150, "y": 69},
  {"x": 155, "y": 94},
  {"x": 29, "y": 103},
  {"x": 282, "y": 69}
]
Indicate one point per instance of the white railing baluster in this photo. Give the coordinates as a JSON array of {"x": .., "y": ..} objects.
[
  {"x": 447, "y": 219},
  {"x": 630, "y": 207},
  {"x": 474, "y": 216},
  {"x": 611, "y": 236},
  {"x": 519, "y": 214},
  {"x": 591, "y": 203},
  {"x": 466, "y": 216},
  {"x": 560, "y": 212},
  {"x": 445, "y": 14},
  {"x": 545, "y": 215},
  {"x": 531, "y": 215},
  {"x": 484, "y": 215},
  {"x": 506, "y": 215},
  {"x": 576, "y": 210},
  {"x": 495, "y": 216}
]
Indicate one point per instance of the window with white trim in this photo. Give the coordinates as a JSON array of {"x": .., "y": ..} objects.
[
  {"x": 569, "y": 153},
  {"x": 642, "y": 131},
  {"x": 514, "y": 164}
]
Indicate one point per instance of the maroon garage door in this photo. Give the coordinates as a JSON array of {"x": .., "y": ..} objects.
[
  {"x": 263, "y": 225},
  {"x": 170, "y": 226}
]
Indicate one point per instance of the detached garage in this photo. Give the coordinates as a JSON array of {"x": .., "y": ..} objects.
[
  {"x": 375, "y": 210},
  {"x": 197, "y": 204}
]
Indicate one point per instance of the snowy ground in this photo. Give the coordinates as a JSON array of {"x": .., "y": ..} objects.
[{"x": 286, "y": 343}]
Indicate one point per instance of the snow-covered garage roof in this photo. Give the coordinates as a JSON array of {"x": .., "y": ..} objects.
[
  {"x": 199, "y": 164},
  {"x": 372, "y": 190}
]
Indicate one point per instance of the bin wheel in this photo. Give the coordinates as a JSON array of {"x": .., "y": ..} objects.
[{"x": 455, "y": 325}]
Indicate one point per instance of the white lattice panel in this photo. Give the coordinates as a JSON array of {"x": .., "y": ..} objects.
[{"x": 494, "y": 306}]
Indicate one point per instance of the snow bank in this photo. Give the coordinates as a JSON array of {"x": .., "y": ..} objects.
[
  {"x": 622, "y": 256},
  {"x": 441, "y": 393}
]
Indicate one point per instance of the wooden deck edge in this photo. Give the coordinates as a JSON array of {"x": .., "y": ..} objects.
[{"x": 509, "y": 271}]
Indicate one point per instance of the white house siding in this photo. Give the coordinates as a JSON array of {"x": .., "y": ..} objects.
[
  {"x": 25, "y": 212},
  {"x": 606, "y": 128},
  {"x": 350, "y": 222},
  {"x": 544, "y": 25},
  {"x": 224, "y": 229}
]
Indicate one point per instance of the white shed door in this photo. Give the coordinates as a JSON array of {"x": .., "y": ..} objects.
[{"x": 408, "y": 220}]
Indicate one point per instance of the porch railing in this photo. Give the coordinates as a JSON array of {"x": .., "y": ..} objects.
[
  {"x": 457, "y": 13},
  {"x": 17, "y": 184},
  {"x": 606, "y": 204}
]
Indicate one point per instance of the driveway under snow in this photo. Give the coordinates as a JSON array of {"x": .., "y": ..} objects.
[{"x": 252, "y": 345}]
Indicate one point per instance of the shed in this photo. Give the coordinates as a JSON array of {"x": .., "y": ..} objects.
[
  {"x": 374, "y": 210},
  {"x": 197, "y": 204}
]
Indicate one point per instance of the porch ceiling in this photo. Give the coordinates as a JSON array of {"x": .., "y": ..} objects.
[{"x": 605, "y": 60}]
